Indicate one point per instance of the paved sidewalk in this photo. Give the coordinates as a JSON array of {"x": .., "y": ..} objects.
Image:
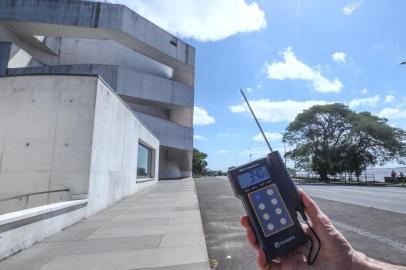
[{"x": 159, "y": 228}]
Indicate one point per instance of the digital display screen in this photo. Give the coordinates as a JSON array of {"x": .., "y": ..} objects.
[{"x": 253, "y": 176}]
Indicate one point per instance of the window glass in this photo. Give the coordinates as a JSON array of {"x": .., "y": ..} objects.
[{"x": 144, "y": 161}]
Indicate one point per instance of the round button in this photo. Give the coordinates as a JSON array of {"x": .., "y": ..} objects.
[
  {"x": 261, "y": 206},
  {"x": 270, "y": 226},
  {"x": 278, "y": 211},
  {"x": 274, "y": 201},
  {"x": 266, "y": 216},
  {"x": 283, "y": 221},
  {"x": 269, "y": 192}
]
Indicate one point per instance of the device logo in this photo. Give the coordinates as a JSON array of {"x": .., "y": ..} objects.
[{"x": 283, "y": 242}]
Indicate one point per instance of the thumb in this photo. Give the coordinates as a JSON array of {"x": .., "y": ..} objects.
[{"x": 316, "y": 216}]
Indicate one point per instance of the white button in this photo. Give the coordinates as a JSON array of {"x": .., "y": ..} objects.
[
  {"x": 261, "y": 206},
  {"x": 269, "y": 192},
  {"x": 274, "y": 201},
  {"x": 283, "y": 221},
  {"x": 270, "y": 226},
  {"x": 278, "y": 211},
  {"x": 266, "y": 216}
]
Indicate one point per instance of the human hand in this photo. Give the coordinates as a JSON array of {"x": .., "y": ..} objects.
[{"x": 336, "y": 252}]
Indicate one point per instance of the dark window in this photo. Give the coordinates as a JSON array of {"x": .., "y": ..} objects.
[{"x": 144, "y": 164}]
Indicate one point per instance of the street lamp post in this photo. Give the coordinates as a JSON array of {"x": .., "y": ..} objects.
[{"x": 403, "y": 63}]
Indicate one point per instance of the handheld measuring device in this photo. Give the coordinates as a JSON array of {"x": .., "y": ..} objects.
[{"x": 271, "y": 201}]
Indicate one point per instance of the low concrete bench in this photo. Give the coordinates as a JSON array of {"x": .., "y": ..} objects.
[{"x": 22, "y": 229}]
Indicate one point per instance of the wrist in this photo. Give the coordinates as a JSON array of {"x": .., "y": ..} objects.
[{"x": 360, "y": 261}]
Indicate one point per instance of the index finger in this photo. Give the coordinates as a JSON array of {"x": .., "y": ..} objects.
[{"x": 245, "y": 222}]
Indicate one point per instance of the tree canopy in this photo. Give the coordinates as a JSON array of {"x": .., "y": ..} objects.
[
  {"x": 331, "y": 139},
  {"x": 199, "y": 162}
]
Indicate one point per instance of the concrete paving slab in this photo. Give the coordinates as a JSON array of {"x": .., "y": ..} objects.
[
  {"x": 150, "y": 230},
  {"x": 20, "y": 264},
  {"x": 55, "y": 249},
  {"x": 194, "y": 266},
  {"x": 184, "y": 239},
  {"x": 130, "y": 259},
  {"x": 181, "y": 220},
  {"x": 185, "y": 214},
  {"x": 70, "y": 235},
  {"x": 162, "y": 234},
  {"x": 121, "y": 223}
]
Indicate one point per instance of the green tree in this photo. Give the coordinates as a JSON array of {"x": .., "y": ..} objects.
[
  {"x": 318, "y": 135},
  {"x": 199, "y": 162},
  {"x": 372, "y": 141},
  {"x": 331, "y": 139}
]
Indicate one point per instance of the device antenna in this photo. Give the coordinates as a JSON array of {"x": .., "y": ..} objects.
[{"x": 256, "y": 120}]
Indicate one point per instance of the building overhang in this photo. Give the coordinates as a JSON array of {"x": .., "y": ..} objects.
[{"x": 22, "y": 20}]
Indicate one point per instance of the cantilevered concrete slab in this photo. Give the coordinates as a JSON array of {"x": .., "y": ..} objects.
[
  {"x": 169, "y": 134},
  {"x": 131, "y": 85},
  {"x": 70, "y": 18}
]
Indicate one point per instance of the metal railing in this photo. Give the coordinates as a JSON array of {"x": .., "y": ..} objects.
[
  {"x": 339, "y": 177},
  {"x": 28, "y": 195}
]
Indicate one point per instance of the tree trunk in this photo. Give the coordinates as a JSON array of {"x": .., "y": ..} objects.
[{"x": 323, "y": 176}]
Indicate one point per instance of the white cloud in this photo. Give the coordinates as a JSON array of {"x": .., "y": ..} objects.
[
  {"x": 365, "y": 102},
  {"x": 276, "y": 111},
  {"x": 271, "y": 136},
  {"x": 202, "y": 117},
  {"x": 223, "y": 152},
  {"x": 389, "y": 99},
  {"x": 249, "y": 89},
  {"x": 364, "y": 91},
  {"x": 207, "y": 20},
  {"x": 225, "y": 134},
  {"x": 391, "y": 113},
  {"x": 259, "y": 86},
  {"x": 351, "y": 7},
  {"x": 339, "y": 57},
  {"x": 199, "y": 138},
  {"x": 293, "y": 69}
]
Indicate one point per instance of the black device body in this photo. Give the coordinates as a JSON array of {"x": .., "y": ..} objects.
[{"x": 271, "y": 201}]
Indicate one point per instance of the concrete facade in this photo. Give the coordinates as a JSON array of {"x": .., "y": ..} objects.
[
  {"x": 61, "y": 132},
  {"x": 152, "y": 70},
  {"x": 5, "y": 50}
]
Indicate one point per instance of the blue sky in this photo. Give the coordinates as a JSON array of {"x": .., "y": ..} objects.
[{"x": 290, "y": 55}]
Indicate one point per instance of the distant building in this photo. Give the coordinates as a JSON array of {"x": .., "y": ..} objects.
[{"x": 93, "y": 98}]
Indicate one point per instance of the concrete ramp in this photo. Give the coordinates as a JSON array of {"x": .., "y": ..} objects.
[{"x": 158, "y": 228}]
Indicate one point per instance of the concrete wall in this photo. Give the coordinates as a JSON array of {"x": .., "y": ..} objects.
[
  {"x": 50, "y": 139},
  {"x": 107, "y": 52},
  {"x": 5, "y": 52},
  {"x": 132, "y": 85},
  {"x": 146, "y": 65},
  {"x": 117, "y": 132},
  {"x": 22, "y": 19},
  {"x": 169, "y": 133},
  {"x": 46, "y": 126},
  {"x": 174, "y": 163}
]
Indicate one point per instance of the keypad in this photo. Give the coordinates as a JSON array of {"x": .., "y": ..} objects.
[{"x": 270, "y": 209}]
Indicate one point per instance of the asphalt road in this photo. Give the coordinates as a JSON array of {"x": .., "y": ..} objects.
[
  {"x": 385, "y": 198},
  {"x": 376, "y": 232}
]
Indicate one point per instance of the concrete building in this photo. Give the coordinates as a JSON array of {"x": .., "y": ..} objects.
[
  {"x": 96, "y": 103},
  {"x": 152, "y": 70}
]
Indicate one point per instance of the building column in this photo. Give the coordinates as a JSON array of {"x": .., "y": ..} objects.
[{"x": 5, "y": 49}]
